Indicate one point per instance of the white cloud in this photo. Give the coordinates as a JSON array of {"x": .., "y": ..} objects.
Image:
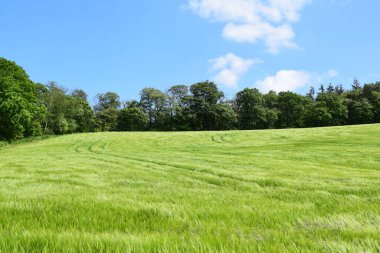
[
  {"x": 285, "y": 80},
  {"x": 274, "y": 37},
  {"x": 229, "y": 68},
  {"x": 254, "y": 20},
  {"x": 291, "y": 80}
]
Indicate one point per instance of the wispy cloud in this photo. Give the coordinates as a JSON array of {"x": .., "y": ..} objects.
[
  {"x": 229, "y": 68},
  {"x": 332, "y": 73}
]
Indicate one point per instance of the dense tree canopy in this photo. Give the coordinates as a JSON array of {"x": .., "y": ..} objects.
[
  {"x": 66, "y": 113},
  {"x": 30, "y": 109},
  {"x": 156, "y": 105},
  {"x": 336, "y": 106},
  {"x": 21, "y": 113},
  {"x": 203, "y": 105},
  {"x": 106, "y": 110},
  {"x": 253, "y": 111},
  {"x": 132, "y": 119},
  {"x": 291, "y": 107}
]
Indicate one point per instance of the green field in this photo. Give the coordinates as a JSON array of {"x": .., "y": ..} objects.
[{"x": 304, "y": 190}]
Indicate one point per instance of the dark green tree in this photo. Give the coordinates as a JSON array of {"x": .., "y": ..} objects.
[
  {"x": 371, "y": 92},
  {"x": 311, "y": 93},
  {"x": 178, "y": 93},
  {"x": 291, "y": 108},
  {"x": 83, "y": 115},
  {"x": 336, "y": 106},
  {"x": 155, "y": 104},
  {"x": 21, "y": 113},
  {"x": 107, "y": 100},
  {"x": 250, "y": 107},
  {"x": 61, "y": 109},
  {"x": 330, "y": 88},
  {"x": 339, "y": 89},
  {"x": 206, "y": 96},
  {"x": 360, "y": 111},
  {"x": 317, "y": 115},
  {"x": 321, "y": 89},
  {"x": 132, "y": 104},
  {"x": 179, "y": 107},
  {"x": 271, "y": 100},
  {"x": 107, "y": 110},
  {"x": 356, "y": 85},
  {"x": 132, "y": 119},
  {"x": 226, "y": 117}
]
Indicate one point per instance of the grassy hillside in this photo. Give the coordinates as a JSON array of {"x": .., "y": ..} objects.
[{"x": 268, "y": 191}]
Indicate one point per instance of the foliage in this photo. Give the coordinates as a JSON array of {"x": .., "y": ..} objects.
[
  {"x": 336, "y": 106},
  {"x": 84, "y": 116},
  {"x": 203, "y": 104},
  {"x": 225, "y": 117},
  {"x": 252, "y": 110},
  {"x": 317, "y": 115},
  {"x": 132, "y": 119},
  {"x": 360, "y": 111},
  {"x": 372, "y": 93},
  {"x": 291, "y": 108},
  {"x": 67, "y": 113},
  {"x": 107, "y": 110},
  {"x": 155, "y": 104},
  {"x": 107, "y": 100},
  {"x": 29, "y": 109},
  {"x": 20, "y": 110}
]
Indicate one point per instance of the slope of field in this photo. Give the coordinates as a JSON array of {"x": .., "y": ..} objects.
[{"x": 266, "y": 191}]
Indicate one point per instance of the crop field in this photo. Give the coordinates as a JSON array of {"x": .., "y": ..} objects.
[{"x": 303, "y": 190}]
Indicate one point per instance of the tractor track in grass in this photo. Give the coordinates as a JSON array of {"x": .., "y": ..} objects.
[
  {"x": 156, "y": 164},
  {"x": 98, "y": 150},
  {"x": 194, "y": 169},
  {"x": 221, "y": 139},
  {"x": 179, "y": 192},
  {"x": 197, "y": 171},
  {"x": 96, "y": 155}
]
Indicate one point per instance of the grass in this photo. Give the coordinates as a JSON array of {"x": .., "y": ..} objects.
[{"x": 304, "y": 190}]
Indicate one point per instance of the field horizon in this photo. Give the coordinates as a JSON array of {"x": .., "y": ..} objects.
[{"x": 289, "y": 190}]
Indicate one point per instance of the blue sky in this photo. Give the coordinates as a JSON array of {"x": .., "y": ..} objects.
[{"x": 124, "y": 46}]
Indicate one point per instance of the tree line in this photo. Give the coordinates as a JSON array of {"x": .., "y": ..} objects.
[{"x": 34, "y": 109}]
